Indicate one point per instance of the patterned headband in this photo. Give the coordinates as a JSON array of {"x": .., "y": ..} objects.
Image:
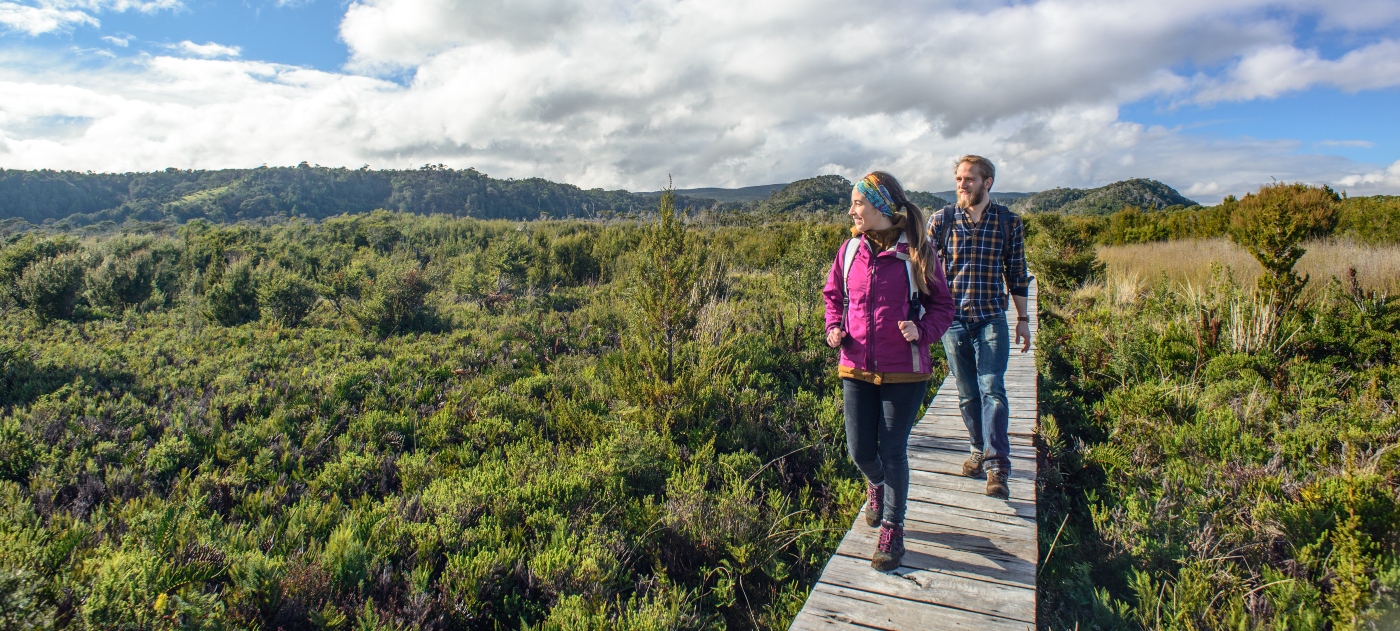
[{"x": 876, "y": 194}]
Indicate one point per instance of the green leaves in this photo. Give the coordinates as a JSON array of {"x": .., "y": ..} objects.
[
  {"x": 425, "y": 453},
  {"x": 285, "y": 297},
  {"x": 232, "y": 298},
  {"x": 1272, "y": 224},
  {"x": 49, "y": 287}
]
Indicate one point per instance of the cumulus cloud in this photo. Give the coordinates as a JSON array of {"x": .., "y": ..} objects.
[
  {"x": 621, "y": 93},
  {"x": 32, "y": 20},
  {"x": 1382, "y": 181},
  {"x": 1274, "y": 70},
  {"x": 207, "y": 50},
  {"x": 49, "y": 16}
]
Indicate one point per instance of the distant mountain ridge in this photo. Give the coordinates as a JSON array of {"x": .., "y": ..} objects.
[
  {"x": 727, "y": 195},
  {"x": 1142, "y": 193},
  {"x": 72, "y": 199}
]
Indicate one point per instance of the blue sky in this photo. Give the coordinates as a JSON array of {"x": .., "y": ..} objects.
[
  {"x": 299, "y": 33},
  {"x": 1213, "y": 99}
]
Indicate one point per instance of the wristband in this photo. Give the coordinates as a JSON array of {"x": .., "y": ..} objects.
[{"x": 1023, "y": 318}]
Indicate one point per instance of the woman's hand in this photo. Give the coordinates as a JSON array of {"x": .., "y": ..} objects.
[
  {"x": 834, "y": 336},
  {"x": 910, "y": 331}
]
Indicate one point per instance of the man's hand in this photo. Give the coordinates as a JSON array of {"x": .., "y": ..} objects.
[
  {"x": 910, "y": 330},
  {"x": 1023, "y": 332},
  {"x": 833, "y": 337}
]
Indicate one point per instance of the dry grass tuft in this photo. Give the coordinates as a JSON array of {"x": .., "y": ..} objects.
[{"x": 1188, "y": 262}]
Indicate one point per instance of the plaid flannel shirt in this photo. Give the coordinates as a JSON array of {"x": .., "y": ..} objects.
[{"x": 979, "y": 277}]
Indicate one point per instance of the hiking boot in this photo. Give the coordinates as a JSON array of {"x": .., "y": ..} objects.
[
  {"x": 874, "y": 503},
  {"x": 890, "y": 549},
  {"x": 973, "y": 467},
  {"x": 996, "y": 483}
]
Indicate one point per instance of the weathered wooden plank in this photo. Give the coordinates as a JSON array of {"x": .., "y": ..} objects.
[
  {"x": 1020, "y": 488},
  {"x": 922, "y": 508},
  {"x": 934, "y": 588},
  {"x": 975, "y": 501},
  {"x": 830, "y": 607},
  {"x": 950, "y": 463},
  {"x": 938, "y": 551},
  {"x": 928, "y": 440}
]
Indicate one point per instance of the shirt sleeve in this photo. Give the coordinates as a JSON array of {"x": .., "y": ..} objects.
[{"x": 1018, "y": 281}]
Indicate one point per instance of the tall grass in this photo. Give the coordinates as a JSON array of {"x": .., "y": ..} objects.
[{"x": 1189, "y": 262}]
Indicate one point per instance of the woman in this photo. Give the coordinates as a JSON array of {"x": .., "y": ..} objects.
[{"x": 886, "y": 302}]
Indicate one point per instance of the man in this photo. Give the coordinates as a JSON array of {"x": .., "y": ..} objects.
[{"x": 982, "y": 246}]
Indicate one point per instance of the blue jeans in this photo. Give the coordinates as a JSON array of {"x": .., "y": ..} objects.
[
  {"x": 878, "y": 420},
  {"x": 977, "y": 355}
]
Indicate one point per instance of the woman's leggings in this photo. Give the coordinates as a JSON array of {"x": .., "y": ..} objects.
[{"x": 878, "y": 420}]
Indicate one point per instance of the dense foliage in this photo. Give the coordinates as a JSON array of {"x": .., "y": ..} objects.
[
  {"x": 388, "y": 421},
  {"x": 1105, "y": 200},
  {"x": 1212, "y": 459},
  {"x": 80, "y": 199},
  {"x": 63, "y": 200},
  {"x": 1367, "y": 220}
]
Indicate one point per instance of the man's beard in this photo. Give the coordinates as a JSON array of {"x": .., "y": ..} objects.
[{"x": 973, "y": 199}]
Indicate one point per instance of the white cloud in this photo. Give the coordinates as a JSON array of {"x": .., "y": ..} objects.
[
  {"x": 1382, "y": 181},
  {"x": 1274, "y": 70},
  {"x": 621, "y": 93},
  {"x": 207, "y": 50},
  {"x": 1358, "y": 144},
  {"x": 122, "y": 42},
  {"x": 49, "y": 16},
  {"x": 38, "y": 20}
]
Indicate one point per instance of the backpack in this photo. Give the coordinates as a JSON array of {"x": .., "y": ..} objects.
[
  {"x": 848, "y": 256},
  {"x": 946, "y": 228}
]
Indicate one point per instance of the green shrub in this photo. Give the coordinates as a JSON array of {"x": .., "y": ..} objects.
[
  {"x": 49, "y": 287},
  {"x": 1273, "y": 223},
  {"x": 285, "y": 297},
  {"x": 394, "y": 301},
  {"x": 1061, "y": 253},
  {"x": 22, "y": 606},
  {"x": 233, "y": 298},
  {"x": 122, "y": 281}
]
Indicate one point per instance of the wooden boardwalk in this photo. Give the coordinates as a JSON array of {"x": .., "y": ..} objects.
[{"x": 970, "y": 560}]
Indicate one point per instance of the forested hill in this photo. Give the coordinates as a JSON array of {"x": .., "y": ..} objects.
[
  {"x": 314, "y": 191},
  {"x": 70, "y": 199},
  {"x": 1141, "y": 193}
]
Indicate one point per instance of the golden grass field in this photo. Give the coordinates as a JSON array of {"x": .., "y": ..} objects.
[{"x": 1189, "y": 261}]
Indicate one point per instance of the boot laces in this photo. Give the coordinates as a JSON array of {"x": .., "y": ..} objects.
[
  {"x": 889, "y": 537},
  {"x": 876, "y": 494}
]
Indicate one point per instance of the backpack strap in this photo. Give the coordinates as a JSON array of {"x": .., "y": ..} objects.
[
  {"x": 944, "y": 229},
  {"x": 848, "y": 256},
  {"x": 916, "y": 308},
  {"x": 1005, "y": 224}
]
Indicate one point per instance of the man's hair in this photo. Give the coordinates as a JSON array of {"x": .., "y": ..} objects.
[{"x": 984, "y": 166}]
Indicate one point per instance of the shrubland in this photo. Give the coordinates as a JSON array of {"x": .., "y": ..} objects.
[
  {"x": 1221, "y": 454},
  {"x": 389, "y": 421}
]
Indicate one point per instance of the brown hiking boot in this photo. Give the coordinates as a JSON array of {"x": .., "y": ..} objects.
[
  {"x": 874, "y": 503},
  {"x": 996, "y": 483},
  {"x": 890, "y": 549},
  {"x": 973, "y": 467}
]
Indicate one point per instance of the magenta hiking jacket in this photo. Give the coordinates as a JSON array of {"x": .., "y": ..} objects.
[{"x": 879, "y": 302}]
